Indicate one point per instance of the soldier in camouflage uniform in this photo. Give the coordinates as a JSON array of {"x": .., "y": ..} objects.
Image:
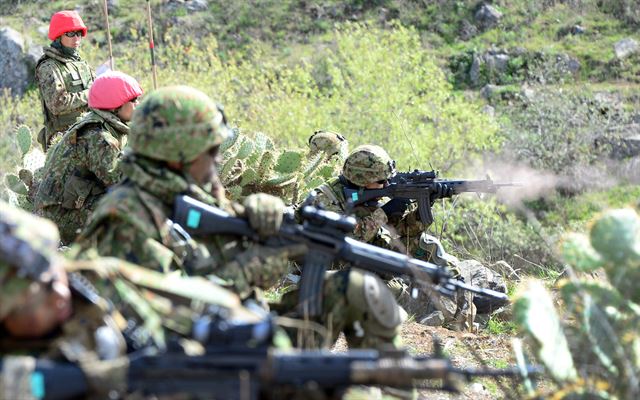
[
  {"x": 86, "y": 312},
  {"x": 394, "y": 224},
  {"x": 84, "y": 163},
  {"x": 332, "y": 144},
  {"x": 63, "y": 78},
  {"x": 174, "y": 142}
]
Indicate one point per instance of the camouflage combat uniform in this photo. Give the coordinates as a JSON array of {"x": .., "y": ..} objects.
[
  {"x": 400, "y": 231},
  {"x": 78, "y": 170},
  {"x": 63, "y": 81},
  {"x": 133, "y": 220},
  {"x": 116, "y": 307}
]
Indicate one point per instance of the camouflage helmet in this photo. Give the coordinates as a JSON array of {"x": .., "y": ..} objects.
[
  {"x": 331, "y": 143},
  {"x": 368, "y": 164},
  {"x": 28, "y": 247},
  {"x": 177, "y": 123}
]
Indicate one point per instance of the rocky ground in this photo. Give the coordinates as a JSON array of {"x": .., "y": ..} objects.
[{"x": 466, "y": 350}]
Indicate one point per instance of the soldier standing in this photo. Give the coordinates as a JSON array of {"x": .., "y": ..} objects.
[
  {"x": 62, "y": 76},
  {"x": 84, "y": 163},
  {"x": 175, "y": 137}
]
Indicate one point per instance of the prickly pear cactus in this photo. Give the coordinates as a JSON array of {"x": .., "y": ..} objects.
[
  {"x": 255, "y": 164},
  {"x": 604, "y": 333},
  {"x": 23, "y": 183}
]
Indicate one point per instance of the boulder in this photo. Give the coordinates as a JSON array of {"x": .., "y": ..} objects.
[
  {"x": 467, "y": 30},
  {"x": 488, "y": 91},
  {"x": 483, "y": 277},
  {"x": 17, "y": 61},
  {"x": 625, "y": 47},
  {"x": 436, "y": 318},
  {"x": 487, "y": 16}
]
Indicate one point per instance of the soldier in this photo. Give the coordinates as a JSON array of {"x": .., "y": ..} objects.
[
  {"x": 84, "y": 163},
  {"x": 85, "y": 312},
  {"x": 63, "y": 78},
  {"x": 370, "y": 167},
  {"x": 175, "y": 138},
  {"x": 333, "y": 144}
]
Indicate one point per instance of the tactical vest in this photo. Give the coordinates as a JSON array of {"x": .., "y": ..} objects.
[
  {"x": 80, "y": 187},
  {"x": 77, "y": 77}
]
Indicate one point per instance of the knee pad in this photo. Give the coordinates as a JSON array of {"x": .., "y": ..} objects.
[{"x": 370, "y": 296}]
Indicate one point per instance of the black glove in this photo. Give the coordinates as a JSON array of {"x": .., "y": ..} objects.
[
  {"x": 441, "y": 191},
  {"x": 396, "y": 207}
]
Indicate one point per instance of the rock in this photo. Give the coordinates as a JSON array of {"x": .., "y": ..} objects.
[
  {"x": 467, "y": 30},
  {"x": 44, "y": 30},
  {"x": 436, "y": 318},
  {"x": 33, "y": 55},
  {"x": 504, "y": 314},
  {"x": 483, "y": 277},
  {"x": 625, "y": 48},
  {"x": 474, "y": 71},
  {"x": 112, "y": 4},
  {"x": 497, "y": 63},
  {"x": 490, "y": 111},
  {"x": 15, "y": 72},
  {"x": 577, "y": 30},
  {"x": 488, "y": 91},
  {"x": 189, "y": 5},
  {"x": 487, "y": 16}
]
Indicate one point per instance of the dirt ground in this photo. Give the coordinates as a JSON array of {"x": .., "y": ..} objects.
[{"x": 494, "y": 350}]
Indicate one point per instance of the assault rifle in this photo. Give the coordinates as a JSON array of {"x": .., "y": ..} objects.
[
  {"x": 423, "y": 187},
  {"x": 325, "y": 235},
  {"x": 239, "y": 363}
]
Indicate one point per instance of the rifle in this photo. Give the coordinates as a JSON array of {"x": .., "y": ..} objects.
[
  {"x": 325, "y": 235},
  {"x": 421, "y": 186},
  {"x": 239, "y": 363}
]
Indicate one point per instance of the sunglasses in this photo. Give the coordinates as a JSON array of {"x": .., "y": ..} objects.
[{"x": 73, "y": 34}]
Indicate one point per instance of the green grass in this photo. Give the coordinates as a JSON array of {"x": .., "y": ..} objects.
[{"x": 498, "y": 327}]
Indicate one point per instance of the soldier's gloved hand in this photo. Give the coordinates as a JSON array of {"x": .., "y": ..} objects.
[
  {"x": 265, "y": 213},
  {"x": 441, "y": 190},
  {"x": 396, "y": 207}
]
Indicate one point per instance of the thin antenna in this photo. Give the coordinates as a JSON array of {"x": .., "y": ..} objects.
[
  {"x": 404, "y": 132},
  {"x": 106, "y": 18}
]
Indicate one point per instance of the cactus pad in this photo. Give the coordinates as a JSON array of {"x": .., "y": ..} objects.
[
  {"x": 288, "y": 162},
  {"x": 23, "y": 137},
  {"x": 577, "y": 251},
  {"x": 534, "y": 312},
  {"x": 14, "y": 183},
  {"x": 230, "y": 140},
  {"x": 616, "y": 236},
  {"x": 34, "y": 160},
  {"x": 249, "y": 176}
]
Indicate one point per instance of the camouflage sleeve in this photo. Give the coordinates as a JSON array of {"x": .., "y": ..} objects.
[
  {"x": 409, "y": 223},
  {"x": 124, "y": 241},
  {"x": 369, "y": 223},
  {"x": 55, "y": 94},
  {"x": 103, "y": 157}
]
